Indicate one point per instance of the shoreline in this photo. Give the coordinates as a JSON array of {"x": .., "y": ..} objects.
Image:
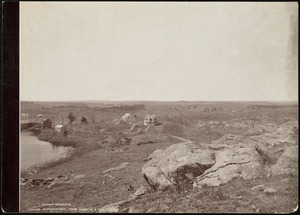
[
  {"x": 46, "y": 164},
  {"x": 77, "y": 144}
]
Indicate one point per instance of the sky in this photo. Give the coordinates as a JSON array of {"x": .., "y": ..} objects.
[{"x": 158, "y": 51}]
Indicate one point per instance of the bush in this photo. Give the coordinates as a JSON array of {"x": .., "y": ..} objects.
[
  {"x": 83, "y": 120},
  {"x": 71, "y": 117},
  {"x": 146, "y": 142}
]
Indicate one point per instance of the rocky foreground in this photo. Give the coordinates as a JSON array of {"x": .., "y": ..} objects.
[{"x": 249, "y": 157}]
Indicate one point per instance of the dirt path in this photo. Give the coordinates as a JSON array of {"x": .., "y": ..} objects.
[{"x": 182, "y": 139}]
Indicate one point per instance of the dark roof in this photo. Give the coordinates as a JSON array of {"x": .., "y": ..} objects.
[{"x": 46, "y": 119}]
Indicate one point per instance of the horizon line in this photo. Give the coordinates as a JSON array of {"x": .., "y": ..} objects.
[{"x": 95, "y": 100}]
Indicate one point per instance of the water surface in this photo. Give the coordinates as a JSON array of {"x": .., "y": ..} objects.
[{"x": 35, "y": 152}]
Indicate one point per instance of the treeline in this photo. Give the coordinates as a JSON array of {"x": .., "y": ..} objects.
[
  {"x": 120, "y": 108},
  {"x": 113, "y": 108},
  {"x": 258, "y": 107},
  {"x": 212, "y": 109}
]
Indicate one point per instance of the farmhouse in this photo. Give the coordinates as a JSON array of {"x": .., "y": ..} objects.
[
  {"x": 150, "y": 120},
  {"x": 128, "y": 117},
  {"x": 25, "y": 116},
  {"x": 39, "y": 116},
  {"x": 60, "y": 128},
  {"x": 47, "y": 123}
]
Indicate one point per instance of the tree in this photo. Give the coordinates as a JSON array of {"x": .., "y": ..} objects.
[
  {"x": 83, "y": 120},
  {"x": 71, "y": 117},
  {"x": 65, "y": 133}
]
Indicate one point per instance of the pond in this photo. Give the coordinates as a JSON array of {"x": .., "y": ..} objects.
[{"x": 35, "y": 152}]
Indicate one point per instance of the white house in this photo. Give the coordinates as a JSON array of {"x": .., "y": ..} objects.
[
  {"x": 60, "y": 128},
  {"x": 150, "y": 120}
]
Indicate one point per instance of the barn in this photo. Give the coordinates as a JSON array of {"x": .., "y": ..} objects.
[
  {"x": 129, "y": 117},
  {"x": 47, "y": 123}
]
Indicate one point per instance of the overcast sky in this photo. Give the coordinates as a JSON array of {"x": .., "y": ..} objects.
[{"x": 158, "y": 51}]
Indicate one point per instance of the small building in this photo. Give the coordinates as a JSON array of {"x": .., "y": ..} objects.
[
  {"x": 39, "y": 115},
  {"x": 25, "y": 116},
  {"x": 47, "y": 123},
  {"x": 129, "y": 117},
  {"x": 60, "y": 128},
  {"x": 150, "y": 120}
]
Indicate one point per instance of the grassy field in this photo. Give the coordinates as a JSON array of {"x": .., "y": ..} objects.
[{"x": 100, "y": 144}]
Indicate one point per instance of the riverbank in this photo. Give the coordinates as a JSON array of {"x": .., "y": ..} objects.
[
  {"x": 87, "y": 185},
  {"x": 36, "y": 154},
  {"x": 77, "y": 143}
]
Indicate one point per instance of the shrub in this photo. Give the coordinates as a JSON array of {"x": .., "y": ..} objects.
[
  {"x": 83, "y": 120},
  {"x": 71, "y": 117}
]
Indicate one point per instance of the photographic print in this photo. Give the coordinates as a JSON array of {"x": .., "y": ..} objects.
[{"x": 144, "y": 107}]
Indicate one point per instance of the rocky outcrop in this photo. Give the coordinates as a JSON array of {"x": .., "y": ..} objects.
[
  {"x": 231, "y": 163},
  {"x": 288, "y": 125},
  {"x": 141, "y": 191},
  {"x": 177, "y": 163},
  {"x": 225, "y": 159},
  {"x": 226, "y": 140},
  {"x": 287, "y": 163}
]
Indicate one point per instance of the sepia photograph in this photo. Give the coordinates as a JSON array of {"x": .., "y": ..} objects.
[{"x": 158, "y": 107}]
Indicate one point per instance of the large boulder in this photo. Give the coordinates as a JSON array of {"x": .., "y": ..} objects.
[
  {"x": 255, "y": 131},
  {"x": 288, "y": 125},
  {"x": 261, "y": 129},
  {"x": 231, "y": 156},
  {"x": 176, "y": 164},
  {"x": 286, "y": 135},
  {"x": 287, "y": 163},
  {"x": 227, "y": 140},
  {"x": 232, "y": 162}
]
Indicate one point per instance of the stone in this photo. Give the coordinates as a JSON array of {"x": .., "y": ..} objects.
[
  {"x": 260, "y": 187},
  {"x": 141, "y": 191},
  {"x": 121, "y": 166},
  {"x": 110, "y": 176},
  {"x": 233, "y": 162},
  {"x": 287, "y": 163},
  {"x": 226, "y": 140},
  {"x": 288, "y": 125},
  {"x": 255, "y": 131},
  {"x": 270, "y": 190},
  {"x": 177, "y": 163},
  {"x": 79, "y": 176}
]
